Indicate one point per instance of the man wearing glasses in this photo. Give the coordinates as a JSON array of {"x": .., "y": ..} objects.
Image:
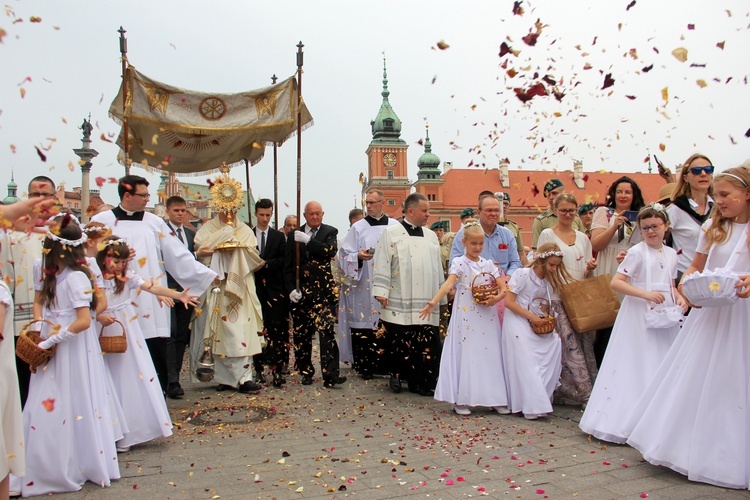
[
  {"x": 158, "y": 250},
  {"x": 361, "y": 309}
]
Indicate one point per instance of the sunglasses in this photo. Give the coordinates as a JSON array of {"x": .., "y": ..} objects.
[{"x": 709, "y": 169}]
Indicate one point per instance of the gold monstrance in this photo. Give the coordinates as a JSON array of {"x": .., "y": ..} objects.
[{"x": 226, "y": 197}]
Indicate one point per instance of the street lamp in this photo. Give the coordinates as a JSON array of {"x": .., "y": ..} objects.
[{"x": 86, "y": 154}]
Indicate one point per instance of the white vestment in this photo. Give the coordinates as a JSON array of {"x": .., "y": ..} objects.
[
  {"x": 356, "y": 300},
  {"x": 233, "y": 330},
  {"x": 158, "y": 251},
  {"x": 408, "y": 272}
]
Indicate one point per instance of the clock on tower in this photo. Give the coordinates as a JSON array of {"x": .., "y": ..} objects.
[{"x": 389, "y": 160}]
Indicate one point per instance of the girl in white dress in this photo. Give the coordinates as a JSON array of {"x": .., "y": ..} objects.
[
  {"x": 635, "y": 351},
  {"x": 578, "y": 361},
  {"x": 133, "y": 372},
  {"x": 532, "y": 362},
  {"x": 694, "y": 415},
  {"x": 68, "y": 426},
  {"x": 471, "y": 372},
  {"x": 612, "y": 232}
]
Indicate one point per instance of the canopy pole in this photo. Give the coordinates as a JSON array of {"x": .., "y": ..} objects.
[
  {"x": 249, "y": 208},
  {"x": 275, "y": 176},
  {"x": 125, "y": 129},
  {"x": 300, "y": 57}
]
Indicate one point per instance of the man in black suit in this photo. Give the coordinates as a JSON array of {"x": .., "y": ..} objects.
[
  {"x": 269, "y": 285},
  {"x": 180, "y": 321},
  {"x": 314, "y": 301}
]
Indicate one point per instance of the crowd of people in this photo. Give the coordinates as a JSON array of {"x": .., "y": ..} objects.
[{"x": 473, "y": 318}]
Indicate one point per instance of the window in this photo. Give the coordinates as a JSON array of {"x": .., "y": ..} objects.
[
  {"x": 389, "y": 174},
  {"x": 388, "y": 123},
  {"x": 391, "y": 203},
  {"x": 431, "y": 197},
  {"x": 447, "y": 225}
]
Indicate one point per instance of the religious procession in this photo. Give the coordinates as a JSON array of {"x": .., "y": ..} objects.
[{"x": 628, "y": 307}]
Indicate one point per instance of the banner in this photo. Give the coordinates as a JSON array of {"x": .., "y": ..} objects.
[{"x": 185, "y": 131}]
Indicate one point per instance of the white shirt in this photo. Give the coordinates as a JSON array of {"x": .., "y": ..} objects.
[{"x": 685, "y": 233}]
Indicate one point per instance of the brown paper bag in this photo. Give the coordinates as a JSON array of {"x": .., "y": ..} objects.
[{"x": 590, "y": 304}]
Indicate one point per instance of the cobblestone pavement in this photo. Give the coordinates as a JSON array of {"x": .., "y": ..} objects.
[{"x": 359, "y": 440}]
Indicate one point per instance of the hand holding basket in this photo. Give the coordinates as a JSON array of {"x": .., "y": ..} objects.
[
  {"x": 116, "y": 344},
  {"x": 28, "y": 349},
  {"x": 546, "y": 323},
  {"x": 484, "y": 291}
]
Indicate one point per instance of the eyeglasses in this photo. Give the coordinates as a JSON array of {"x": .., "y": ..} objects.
[
  {"x": 43, "y": 195},
  {"x": 567, "y": 211},
  {"x": 372, "y": 202},
  {"x": 145, "y": 196},
  {"x": 709, "y": 169},
  {"x": 654, "y": 228}
]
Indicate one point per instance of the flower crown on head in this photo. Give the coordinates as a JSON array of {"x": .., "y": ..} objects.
[
  {"x": 110, "y": 242},
  {"x": 472, "y": 224},
  {"x": 551, "y": 253},
  {"x": 655, "y": 206},
  {"x": 72, "y": 243},
  {"x": 95, "y": 229}
]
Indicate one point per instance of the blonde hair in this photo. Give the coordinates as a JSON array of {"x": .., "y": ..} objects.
[
  {"x": 683, "y": 187},
  {"x": 541, "y": 255},
  {"x": 738, "y": 177}
]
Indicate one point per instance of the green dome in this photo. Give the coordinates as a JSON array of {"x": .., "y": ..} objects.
[
  {"x": 12, "y": 188},
  {"x": 386, "y": 127},
  {"x": 429, "y": 159},
  {"x": 428, "y": 163}
]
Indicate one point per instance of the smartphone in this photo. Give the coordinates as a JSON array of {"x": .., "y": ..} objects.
[{"x": 631, "y": 215}]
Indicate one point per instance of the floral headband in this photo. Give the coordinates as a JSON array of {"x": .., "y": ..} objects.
[
  {"x": 655, "y": 206},
  {"x": 96, "y": 229},
  {"x": 113, "y": 241},
  {"x": 72, "y": 243},
  {"x": 472, "y": 224},
  {"x": 551, "y": 253}
]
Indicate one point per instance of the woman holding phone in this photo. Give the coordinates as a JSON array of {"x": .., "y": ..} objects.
[{"x": 613, "y": 230}]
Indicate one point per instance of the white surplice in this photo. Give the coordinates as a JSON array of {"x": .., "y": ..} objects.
[
  {"x": 362, "y": 310},
  {"x": 408, "y": 272}
]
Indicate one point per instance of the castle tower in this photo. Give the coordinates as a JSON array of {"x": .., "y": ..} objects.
[{"x": 386, "y": 155}]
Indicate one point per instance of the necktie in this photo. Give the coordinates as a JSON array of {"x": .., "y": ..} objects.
[
  {"x": 179, "y": 234},
  {"x": 262, "y": 242},
  {"x": 313, "y": 232}
]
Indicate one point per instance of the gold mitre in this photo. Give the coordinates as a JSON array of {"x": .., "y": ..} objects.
[{"x": 226, "y": 193}]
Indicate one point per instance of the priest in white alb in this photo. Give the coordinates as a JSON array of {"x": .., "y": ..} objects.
[
  {"x": 408, "y": 274},
  {"x": 356, "y": 302},
  {"x": 231, "y": 322},
  {"x": 158, "y": 251}
]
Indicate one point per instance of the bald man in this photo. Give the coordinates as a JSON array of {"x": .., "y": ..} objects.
[{"x": 313, "y": 301}]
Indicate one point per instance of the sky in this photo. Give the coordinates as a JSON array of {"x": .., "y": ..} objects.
[{"x": 62, "y": 62}]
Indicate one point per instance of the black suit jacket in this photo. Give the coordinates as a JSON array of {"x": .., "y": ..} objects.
[
  {"x": 316, "y": 278},
  {"x": 269, "y": 281},
  {"x": 189, "y": 235}
]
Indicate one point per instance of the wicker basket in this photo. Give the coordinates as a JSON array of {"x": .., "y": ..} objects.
[
  {"x": 116, "y": 344},
  {"x": 486, "y": 290},
  {"x": 547, "y": 323},
  {"x": 28, "y": 350}
]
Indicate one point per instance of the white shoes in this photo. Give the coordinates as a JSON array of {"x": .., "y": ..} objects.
[
  {"x": 461, "y": 410},
  {"x": 123, "y": 449},
  {"x": 534, "y": 416},
  {"x": 502, "y": 410}
]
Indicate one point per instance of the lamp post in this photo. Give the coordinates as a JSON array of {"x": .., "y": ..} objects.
[{"x": 86, "y": 154}]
